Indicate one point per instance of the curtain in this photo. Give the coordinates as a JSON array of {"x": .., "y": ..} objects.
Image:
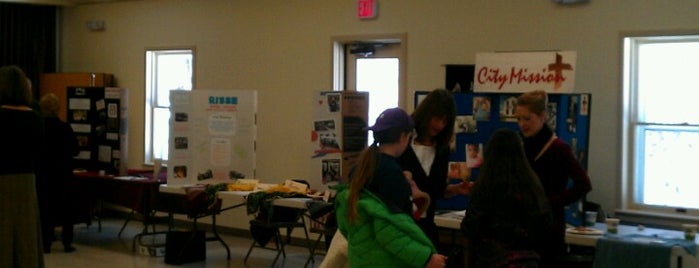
[{"x": 28, "y": 39}]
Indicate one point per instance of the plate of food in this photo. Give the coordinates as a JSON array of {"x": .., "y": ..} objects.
[
  {"x": 315, "y": 195},
  {"x": 584, "y": 231}
]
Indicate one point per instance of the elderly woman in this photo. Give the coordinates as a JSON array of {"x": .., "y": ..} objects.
[{"x": 54, "y": 177}]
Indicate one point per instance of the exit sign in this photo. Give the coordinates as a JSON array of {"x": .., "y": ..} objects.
[{"x": 366, "y": 9}]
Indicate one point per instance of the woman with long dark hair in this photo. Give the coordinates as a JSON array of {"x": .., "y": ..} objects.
[
  {"x": 427, "y": 156},
  {"x": 508, "y": 220}
]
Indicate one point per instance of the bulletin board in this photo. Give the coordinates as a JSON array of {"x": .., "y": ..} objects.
[{"x": 478, "y": 115}]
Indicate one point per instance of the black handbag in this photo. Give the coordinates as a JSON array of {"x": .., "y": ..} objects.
[{"x": 184, "y": 247}]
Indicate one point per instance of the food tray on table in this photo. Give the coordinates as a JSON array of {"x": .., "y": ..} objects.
[{"x": 584, "y": 231}]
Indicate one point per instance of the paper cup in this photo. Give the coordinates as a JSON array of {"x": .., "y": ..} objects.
[
  {"x": 690, "y": 231},
  {"x": 612, "y": 225},
  {"x": 157, "y": 165},
  {"x": 590, "y": 218}
]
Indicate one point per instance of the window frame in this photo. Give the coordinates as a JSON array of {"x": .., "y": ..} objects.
[
  {"x": 151, "y": 97},
  {"x": 633, "y": 125}
]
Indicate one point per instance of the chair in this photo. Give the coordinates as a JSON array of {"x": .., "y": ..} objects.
[
  {"x": 267, "y": 224},
  {"x": 321, "y": 216}
]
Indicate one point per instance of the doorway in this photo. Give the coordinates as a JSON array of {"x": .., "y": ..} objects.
[{"x": 374, "y": 64}]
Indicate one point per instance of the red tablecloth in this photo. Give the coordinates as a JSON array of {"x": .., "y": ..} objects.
[{"x": 136, "y": 194}]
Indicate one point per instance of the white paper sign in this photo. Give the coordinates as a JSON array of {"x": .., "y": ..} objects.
[{"x": 525, "y": 71}]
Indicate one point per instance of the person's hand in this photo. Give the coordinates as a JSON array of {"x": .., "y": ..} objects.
[
  {"x": 465, "y": 187},
  {"x": 437, "y": 261},
  {"x": 408, "y": 175}
]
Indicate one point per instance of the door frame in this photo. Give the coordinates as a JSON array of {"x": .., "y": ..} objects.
[{"x": 339, "y": 61}]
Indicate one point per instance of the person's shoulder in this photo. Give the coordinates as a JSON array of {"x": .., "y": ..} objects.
[{"x": 560, "y": 144}]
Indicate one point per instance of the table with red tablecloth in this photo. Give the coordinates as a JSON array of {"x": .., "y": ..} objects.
[{"x": 137, "y": 193}]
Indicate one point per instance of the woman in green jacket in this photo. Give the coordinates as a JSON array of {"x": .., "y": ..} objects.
[{"x": 374, "y": 211}]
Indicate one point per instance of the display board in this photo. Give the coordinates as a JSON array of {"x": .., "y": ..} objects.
[
  {"x": 212, "y": 136},
  {"x": 339, "y": 133},
  {"x": 481, "y": 114},
  {"x": 98, "y": 117}
]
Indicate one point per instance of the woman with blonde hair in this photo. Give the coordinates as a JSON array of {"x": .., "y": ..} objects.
[
  {"x": 553, "y": 162},
  {"x": 53, "y": 183}
]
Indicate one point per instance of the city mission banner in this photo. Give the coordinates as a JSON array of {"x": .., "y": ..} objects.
[{"x": 551, "y": 71}]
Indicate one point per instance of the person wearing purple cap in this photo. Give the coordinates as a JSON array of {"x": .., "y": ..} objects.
[{"x": 374, "y": 210}]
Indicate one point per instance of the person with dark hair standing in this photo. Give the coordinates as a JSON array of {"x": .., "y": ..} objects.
[
  {"x": 21, "y": 145},
  {"x": 374, "y": 212},
  {"x": 553, "y": 161},
  {"x": 427, "y": 156},
  {"x": 54, "y": 178},
  {"x": 508, "y": 220}
]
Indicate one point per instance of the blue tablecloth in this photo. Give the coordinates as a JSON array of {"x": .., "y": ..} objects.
[{"x": 637, "y": 251}]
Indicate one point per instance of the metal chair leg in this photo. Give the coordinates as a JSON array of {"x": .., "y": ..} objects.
[
  {"x": 249, "y": 251},
  {"x": 280, "y": 247},
  {"x": 126, "y": 222}
]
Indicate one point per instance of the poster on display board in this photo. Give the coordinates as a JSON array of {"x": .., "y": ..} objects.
[
  {"x": 99, "y": 118},
  {"x": 212, "y": 136},
  {"x": 519, "y": 72},
  {"x": 338, "y": 134}
]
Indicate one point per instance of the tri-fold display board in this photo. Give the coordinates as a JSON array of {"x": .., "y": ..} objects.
[
  {"x": 212, "y": 136},
  {"x": 339, "y": 134}
]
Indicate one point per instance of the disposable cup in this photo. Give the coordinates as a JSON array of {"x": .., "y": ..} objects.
[
  {"x": 690, "y": 231},
  {"x": 157, "y": 165},
  {"x": 612, "y": 225},
  {"x": 590, "y": 218}
]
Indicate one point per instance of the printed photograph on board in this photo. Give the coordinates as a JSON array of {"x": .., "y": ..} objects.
[
  {"x": 465, "y": 124},
  {"x": 331, "y": 171},
  {"x": 474, "y": 155},
  {"x": 459, "y": 170},
  {"x": 551, "y": 115},
  {"x": 481, "y": 108},
  {"x": 508, "y": 103},
  {"x": 572, "y": 114}
]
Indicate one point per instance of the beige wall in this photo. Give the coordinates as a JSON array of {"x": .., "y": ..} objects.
[{"x": 282, "y": 48}]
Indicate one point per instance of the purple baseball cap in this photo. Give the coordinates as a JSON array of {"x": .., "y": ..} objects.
[{"x": 393, "y": 118}]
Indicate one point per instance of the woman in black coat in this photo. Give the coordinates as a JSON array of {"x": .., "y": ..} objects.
[{"x": 55, "y": 176}]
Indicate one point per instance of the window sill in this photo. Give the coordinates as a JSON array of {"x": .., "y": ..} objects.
[{"x": 653, "y": 219}]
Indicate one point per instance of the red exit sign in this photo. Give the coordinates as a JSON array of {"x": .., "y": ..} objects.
[{"x": 366, "y": 9}]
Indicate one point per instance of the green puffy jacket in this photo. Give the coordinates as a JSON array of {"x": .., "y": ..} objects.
[{"x": 381, "y": 238}]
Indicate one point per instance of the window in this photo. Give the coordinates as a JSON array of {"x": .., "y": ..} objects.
[
  {"x": 165, "y": 70},
  {"x": 661, "y": 123}
]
